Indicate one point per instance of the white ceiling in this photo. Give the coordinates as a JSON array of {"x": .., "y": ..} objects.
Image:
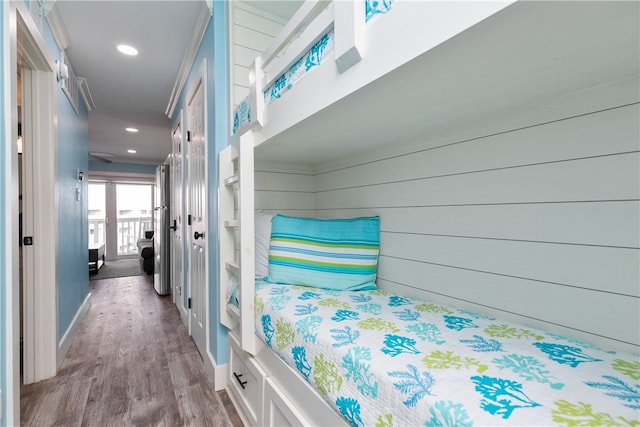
[{"x": 134, "y": 91}]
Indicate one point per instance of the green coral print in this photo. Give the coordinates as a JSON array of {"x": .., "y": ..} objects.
[
  {"x": 581, "y": 414},
  {"x": 378, "y": 324},
  {"x": 285, "y": 334},
  {"x": 259, "y": 305},
  {"x": 446, "y": 360},
  {"x": 433, "y": 308},
  {"x": 630, "y": 369},
  {"x": 379, "y": 292},
  {"x": 326, "y": 375},
  {"x": 385, "y": 420},
  {"x": 334, "y": 302},
  {"x": 505, "y": 331}
]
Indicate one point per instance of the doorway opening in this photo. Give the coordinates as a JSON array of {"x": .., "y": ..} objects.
[{"x": 120, "y": 213}]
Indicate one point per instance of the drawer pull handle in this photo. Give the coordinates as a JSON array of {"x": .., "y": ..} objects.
[{"x": 242, "y": 383}]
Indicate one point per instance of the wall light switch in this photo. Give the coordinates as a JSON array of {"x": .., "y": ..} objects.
[{"x": 77, "y": 194}]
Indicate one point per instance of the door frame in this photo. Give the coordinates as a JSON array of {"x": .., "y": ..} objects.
[
  {"x": 179, "y": 298},
  {"x": 21, "y": 34},
  {"x": 199, "y": 80}
]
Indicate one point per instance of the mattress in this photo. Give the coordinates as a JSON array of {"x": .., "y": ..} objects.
[{"x": 383, "y": 359}]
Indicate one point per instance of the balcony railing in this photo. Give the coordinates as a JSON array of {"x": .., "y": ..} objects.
[{"x": 129, "y": 230}]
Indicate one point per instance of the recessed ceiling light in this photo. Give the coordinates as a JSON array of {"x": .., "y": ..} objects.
[
  {"x": 127, "y": 50},
  {"x": 132, "y": 130},
  {"x": 132, "y": 151}
]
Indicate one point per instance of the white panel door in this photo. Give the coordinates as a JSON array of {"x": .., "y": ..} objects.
[
  {"x": 176, "y": 215},
  {"x": 196, "y": 214}
]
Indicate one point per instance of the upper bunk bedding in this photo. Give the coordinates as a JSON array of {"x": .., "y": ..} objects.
[{"x": 383, "y": 359}]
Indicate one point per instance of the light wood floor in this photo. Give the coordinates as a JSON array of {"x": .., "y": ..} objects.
[{"x": 132, "y": 364}]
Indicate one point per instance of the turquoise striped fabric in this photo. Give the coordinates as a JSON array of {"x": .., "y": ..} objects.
[{"x": 340, "y": 254}]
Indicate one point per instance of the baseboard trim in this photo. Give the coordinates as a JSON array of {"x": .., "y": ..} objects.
[
  {"x": 72, "y": 331},
  {"x": 216, "y": 374}
]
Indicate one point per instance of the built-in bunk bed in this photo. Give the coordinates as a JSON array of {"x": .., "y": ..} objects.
[{"x": 428, "y": 216}]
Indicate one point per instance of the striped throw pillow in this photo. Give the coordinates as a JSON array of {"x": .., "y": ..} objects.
[{"x": 339, "y": 254}]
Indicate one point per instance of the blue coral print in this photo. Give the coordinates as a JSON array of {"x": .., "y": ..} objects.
[
  {"x": 615, "y": 387},
  {"x": 345, "y": 315},
  {"x": 359, "y": 370},
  {"x": 458, "y": 323},
  {"x": 528, "y": 368},
  {"x": 308, "y": 328},
  {"x": 241, "y": 115},
  {"x": 346, "y": 336},
  {"x": 413, "y": 383},
  {"x": 448, "y": 414},
  {"x": 427, "y": 332},
  {"x": 267, "y": 328},
  {"x": 300, "y": 359},
  {"x": 376, "y": 7},
  {"x": 481, "y": 344},
  {"x": 310, "y": 60},
  {"x": 501, "y": 396},
  {"x": 350, "y": 409},
  {"x": 396, "y": 344},
  {"x": 396, "y": 301},
  {"x": 565, "y": 354}
]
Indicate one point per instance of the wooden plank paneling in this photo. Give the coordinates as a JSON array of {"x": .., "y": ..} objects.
[
  {"x": 251, "y": 32},
  {"x": 289, "y": 191},
  {"x": 597, "y": 313},
  {"x": 241, "y": 76},
  {"x": 260, "y": 23},
  {"x": 578, "y": 266},
  {"x": 244, "y": 56},
  {"x": 265, "y": 180},
  {"x": 247, "y": 37},
  {"x": 611, "y": 131},
  {"x": 585, "y": 223},
  {"x": 601, "y": 178},
  {"x": 538, "y": 225},
  {"x": 577, "y": 223},
  {"x": 274, "y": 200}
]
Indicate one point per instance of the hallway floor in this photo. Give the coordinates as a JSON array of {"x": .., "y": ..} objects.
[{"x": 132, "y": 364}]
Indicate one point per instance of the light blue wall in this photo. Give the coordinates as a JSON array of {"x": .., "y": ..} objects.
[
  {"x": 219, "y": 116},
  {"x": 122, "y": 168},
  {"x": 214, "y": 48},
  {"x": 73, "y": 216},
  {"x": 73, "y": 258}
]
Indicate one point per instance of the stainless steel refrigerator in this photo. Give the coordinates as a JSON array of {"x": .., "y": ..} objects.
[{"x": 161, "y": 235}]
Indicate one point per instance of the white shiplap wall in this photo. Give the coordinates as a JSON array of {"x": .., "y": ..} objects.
[
  {"x": 252, "y": 30},
  {"x": 536, "y": 223},
  {"x": 283, "y": 188}
]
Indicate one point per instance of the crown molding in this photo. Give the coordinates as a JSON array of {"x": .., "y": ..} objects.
[
  {"x": 189, "y": 57},
  {"x": 57, "y": 27}
]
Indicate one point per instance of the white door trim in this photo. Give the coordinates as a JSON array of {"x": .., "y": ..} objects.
[
  {"x": 21, "y": 33},
  {"x": 39, "y": 100},
  {"x": 179, "y": 294}
]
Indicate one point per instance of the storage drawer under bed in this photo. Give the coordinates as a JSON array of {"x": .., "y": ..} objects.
[{"x": 246, "y": 382}]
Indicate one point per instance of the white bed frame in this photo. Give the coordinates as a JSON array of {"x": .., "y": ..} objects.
[{"x": 264, "y": 389}]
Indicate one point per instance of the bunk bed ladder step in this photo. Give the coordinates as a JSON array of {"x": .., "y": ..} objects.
[{"x": 227, "y": 235}]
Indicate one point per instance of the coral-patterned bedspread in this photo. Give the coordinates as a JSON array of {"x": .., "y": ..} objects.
[{"x": 382, "y": 359}]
